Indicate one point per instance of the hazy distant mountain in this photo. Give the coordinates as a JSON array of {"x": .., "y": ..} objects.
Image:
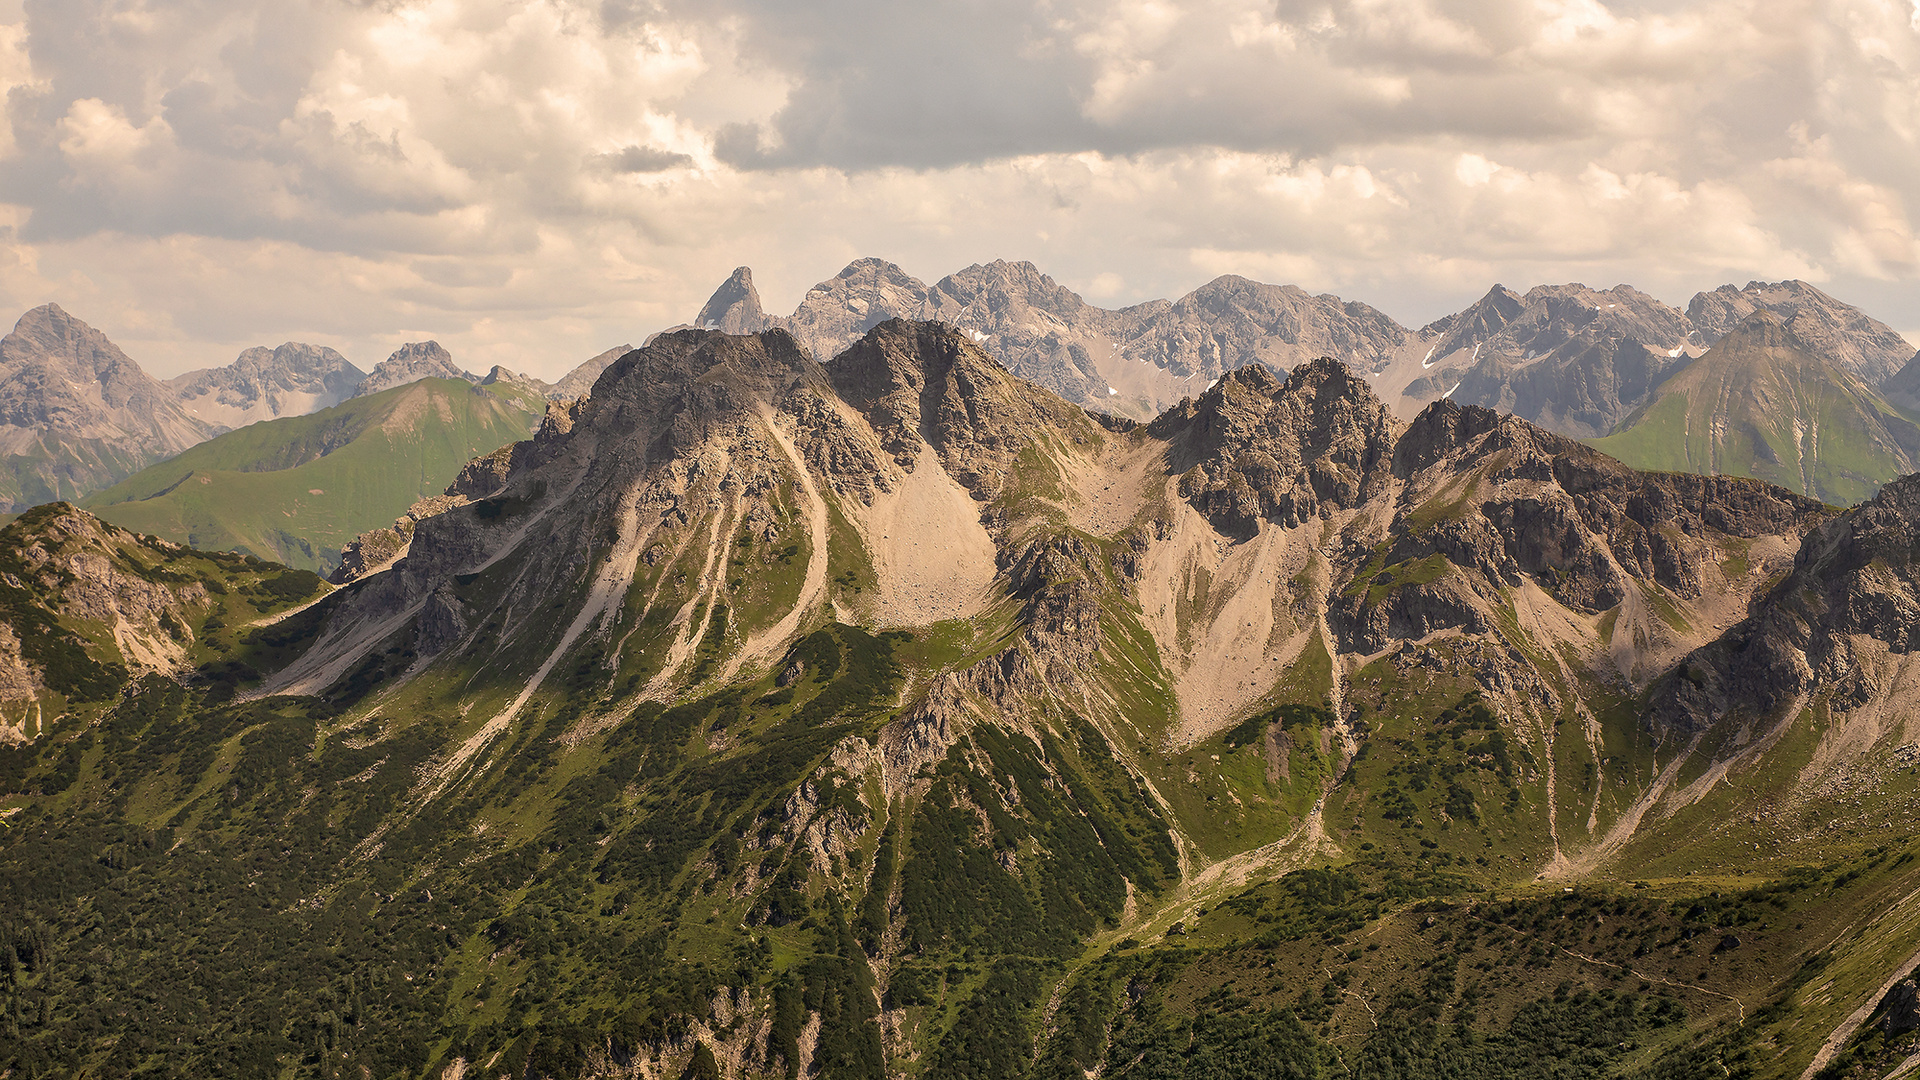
[
  {"x": 734, "y": 307},
  {"x": 579, "y": 381},
  {"x": 1569, "y": 358},
  {"x": 1137, "y": 359},
  {"x": 412, "y": 362},
  {"x": 1044, "y": 330},
  {"x": 298, "y": 489},
  {"x": 1765, "y": 404},
  {"x": 76, "y": 414},
  {"x": 1839, "y": 333},
  {"x": 1231, "y": 321},
  {"x": 836, "y": 312},
  {"x": 264, "y": 383}
]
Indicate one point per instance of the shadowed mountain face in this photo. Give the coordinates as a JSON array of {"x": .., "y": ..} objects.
[
  {"x": 892, "y": 712},
  {"x": 76, "y": 414},
  {"x": 1763, "y": 403},
  {"x": 263, "y": 384}
]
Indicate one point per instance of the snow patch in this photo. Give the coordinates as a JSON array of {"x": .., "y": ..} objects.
[
  {"x": 1111, "y": 392},
  {"x": 1449, "y": 393},
  {"x": 1676, "y": 350},
  {"x": 1427, "y": 360}
]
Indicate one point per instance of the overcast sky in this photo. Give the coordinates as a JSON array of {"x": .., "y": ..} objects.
[{"x": 532, "y": 182}]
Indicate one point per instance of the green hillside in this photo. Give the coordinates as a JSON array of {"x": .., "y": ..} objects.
[
  {"x": 296, "y": 490},
  {"x": 63, "y": 467},
  {"x": 1759, "y": 404}
]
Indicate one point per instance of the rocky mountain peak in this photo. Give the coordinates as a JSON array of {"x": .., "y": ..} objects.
[
  {"x": 1481, "y": 320},
  {"x": 49, "y": 338},
  {"x": 1261, "y": 449},
  {"x": 928, "y": 383},
  {"x": 734, "y": 307},
  {"x": 579, "y": 382},
  {"x": 1232, "y": 320},
  {"x": 261, "y": 383},
  {"x": 80, "y": 409},
  {"x": 865, "y": 294},
  {"x": 410, "y": 363},
  {"x": 1839, "y": 332}
]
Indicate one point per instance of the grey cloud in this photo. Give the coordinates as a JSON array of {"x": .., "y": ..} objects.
[{"x": 642, "y": 159}]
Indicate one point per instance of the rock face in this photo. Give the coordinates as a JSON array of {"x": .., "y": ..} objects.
[
  {"x": 835, "y": 313},
  {"x": 291, "y": 380},
  {"x": 1569, "y": 358},
  {"x": 1839, "y": 625},
  {"x": 1044, "y": 331},
  {"x": 76, "y": 414},
  {"x": 1839, "y": 333},
  {"x": 1231, "y": 321},
  {"x": 411, "y": 363},
  {"x": 86, "y": 606},
  {"x": 1271, "y": 451},
  {"x": 1764, "y": 403},
  {"x": 734, "y": 308}
]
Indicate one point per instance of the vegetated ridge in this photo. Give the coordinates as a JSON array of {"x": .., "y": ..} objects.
[
  {"x": 1762, "y": 403},
  {"x": 894, "y": 716},
  {"x": 297, "y": 490}
]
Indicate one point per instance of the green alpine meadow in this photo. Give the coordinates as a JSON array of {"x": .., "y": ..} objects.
[
  {"x": 760, "y": 715},
  {"x": 299, "y": 489}
]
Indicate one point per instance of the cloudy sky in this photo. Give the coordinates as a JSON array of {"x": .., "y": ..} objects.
[{"x": 534, "y": 181}]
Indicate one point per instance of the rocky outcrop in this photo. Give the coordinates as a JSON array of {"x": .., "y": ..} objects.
[
  {"x": 409, "y": 364},
  {"x": 1256, "y": 449}
]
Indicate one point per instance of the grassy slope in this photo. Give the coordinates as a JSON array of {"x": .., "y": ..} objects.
[
  {"x": 598, "y": 877},
  {"x": 1776, "y": 414},
  {"x": 297, "y": 489},
  {"x": 63, "y": 469}
]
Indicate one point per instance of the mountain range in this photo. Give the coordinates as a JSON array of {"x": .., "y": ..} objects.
[
  {"x": 893, "y": 715},
  {"x": 1574, "y": 360},
  {"x": 81, "y": 416}
]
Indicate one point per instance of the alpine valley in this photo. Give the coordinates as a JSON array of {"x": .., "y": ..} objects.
[{"x": 850, "y": 694}]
